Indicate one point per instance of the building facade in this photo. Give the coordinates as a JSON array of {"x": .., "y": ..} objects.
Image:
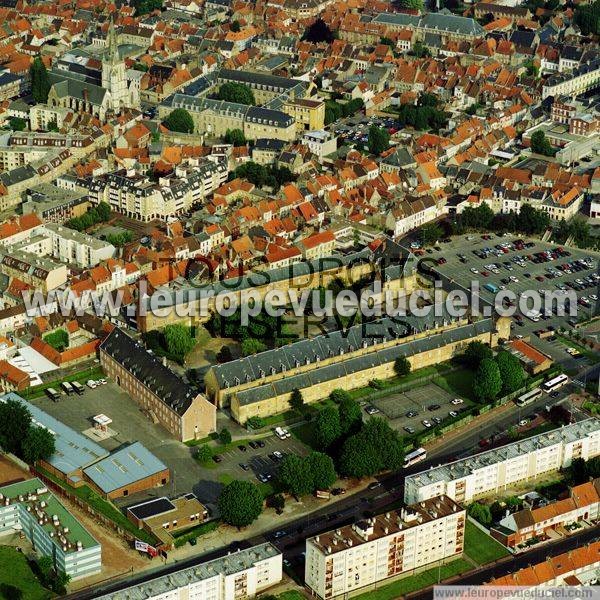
[
  {"x": 242, "y": 574},
  {"x": 178, "y": 407},
  {"x": 494, "y": 471},
  {"x": 53, "y": 531},
  {"x": 343, "y": 561}
]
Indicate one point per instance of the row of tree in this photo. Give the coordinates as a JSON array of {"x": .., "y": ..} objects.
[
  {"x": 95, "y": 215},
  {"x": 335, "y": 110},
  {"x": 20, "y": 436},
  {"x": 530, "y": 220},
  {"x": 173, "y": 341},
  {"x": 261, "y": 175},
  {"x": 494, "y": 375}
]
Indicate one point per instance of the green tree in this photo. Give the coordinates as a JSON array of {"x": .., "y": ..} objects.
[
  {"x": 541, "y": 145},
  {"x": 295, "y": 475},
  {"x": 118, "y": 240},
  {"x": 476, "y": 352},
  {"x": 358, "y": 460},
  {"x": 204, "y": 453},
  {"x": 588, "y": 18},
  {"x": 511, "y": 371},
  {"x": 420, "y": 50},
  {"x": 296, "y": 400},
  {"x": 235, "y": 26},
  {"x": 40, "y": 82},
  {"x": 252, "y": 346},
  {"x": 577, "y": 472},
  {"x": 224, "y": 354},
  {"x": 180, "y": 121},
  {"x": 38, "y": 444},
  {"x": 235, "y": 137},
  {"x": 277, "y": 502},
  {"x": 240, "y": 503},
  {"x": 236, "y": 92},
  {"x": 350, "y": 416},
  {"x": 58, "y": 339},
  {"x": 379, "y": 139},
  {"x": 10, "y": 592},
  {"x": 327, "y": 427},
  {"x": 225, "y": 436},
  {"x": 374, "y": 448},
  {"x": 532, "y": 220},
  {"x": 592, "y": 467},
  {"x": 15, "y": 421},
  {"x": 255, "y": 422},
  {"x": 178, "y": 340},
  {"x": 17, "y": 124},
  {"x": 318, "y": 32},
  {"x": 338, "y": 395},
  {"x": 480, "y": 217},
  {"x": 481, "y": 513},
  {"x": 402, "y": 366},
  {"x": 411, "y": 4},
  {"x": 431, "y": 233},
  {"x": 322, "y": 470},
  {"x": 487, "y": 382}
]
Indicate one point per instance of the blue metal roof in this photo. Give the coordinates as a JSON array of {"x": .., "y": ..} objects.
[
  {"x": 73, "y": 450},
  {"x": 124, "y": 467}
]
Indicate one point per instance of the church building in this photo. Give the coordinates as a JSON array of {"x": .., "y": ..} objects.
[{"x": 96, "y": 85}]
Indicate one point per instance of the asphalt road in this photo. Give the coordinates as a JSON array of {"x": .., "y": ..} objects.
[{"x": 348, "y": 508}]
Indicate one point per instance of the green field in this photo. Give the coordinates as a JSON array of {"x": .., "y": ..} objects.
[
  {"x": 422, "y": 580},
  {"x": 15, "y": 571},
  {"x": 480, "y": 547}
]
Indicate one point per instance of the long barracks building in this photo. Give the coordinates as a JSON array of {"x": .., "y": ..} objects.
[{"x": 262, "y": 384}]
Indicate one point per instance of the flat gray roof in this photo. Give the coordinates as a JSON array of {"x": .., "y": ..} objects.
[
  {"x": 227, "y": 565},
  {"x": 466, "y": 466}
]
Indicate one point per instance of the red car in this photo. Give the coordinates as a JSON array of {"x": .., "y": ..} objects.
[
  {"x": 484, "y": 273},
  {"x": 441, "y": 261}
]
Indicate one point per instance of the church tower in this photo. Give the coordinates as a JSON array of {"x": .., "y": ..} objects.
[{"x": 114, "y": 76}]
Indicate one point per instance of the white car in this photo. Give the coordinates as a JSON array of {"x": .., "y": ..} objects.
[
  {"x": 474, "y": 270},
  {"x": 91, "y": 384},
  {"x": 457, "y": 401},
  {"x": 514, "y": 279},
  {"x": 282, "y": 433},
  {"x": 426, "y": 423},
  {"x": 453, "y": 413},
  {"x": 101, "y": 381},
  {"x": 523, "y": 422}
]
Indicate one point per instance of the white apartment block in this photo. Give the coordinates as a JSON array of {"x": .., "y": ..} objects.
[
  {"x": 574, "y": 83},
  {"x": 28, "y": 507},
  {"x": 495, "y": 471},
  {"x": 138, "y": 197},
  {"x": 63, "y": 244},
  {"x": 345, "y": 560},
  {"x": 320, "y": 142},
  {"x": 241, "y": 574}
]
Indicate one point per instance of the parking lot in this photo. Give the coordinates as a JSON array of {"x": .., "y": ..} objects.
[
  {"x": 130, "y": 424},
  {"x": 408, "y": 411},
  {"x": 355, "y": 129},
  {"x": 519, "y": 267}
]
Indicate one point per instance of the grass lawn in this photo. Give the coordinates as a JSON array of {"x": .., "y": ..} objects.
[
  {"x": 481, "y": 547},
  {"x": 291, "y": 595},
  {"x": 102, "y": 506},
  {"x": 15, "y": 571},
  {"x": 458, "y": 382},
  {"x": 422, "y": 580}
]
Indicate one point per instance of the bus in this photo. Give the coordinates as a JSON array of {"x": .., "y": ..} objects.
[
  {"x": 555, "y": 383},
  {"x": 490, "y": 287},
  {"x": 52, "y": 394},
  {"x": 67, "y": 387},
  {"x": 414, "y": 457},
  {"x": 79, "y": 389},
  {"x": 529, "y": 397}
]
